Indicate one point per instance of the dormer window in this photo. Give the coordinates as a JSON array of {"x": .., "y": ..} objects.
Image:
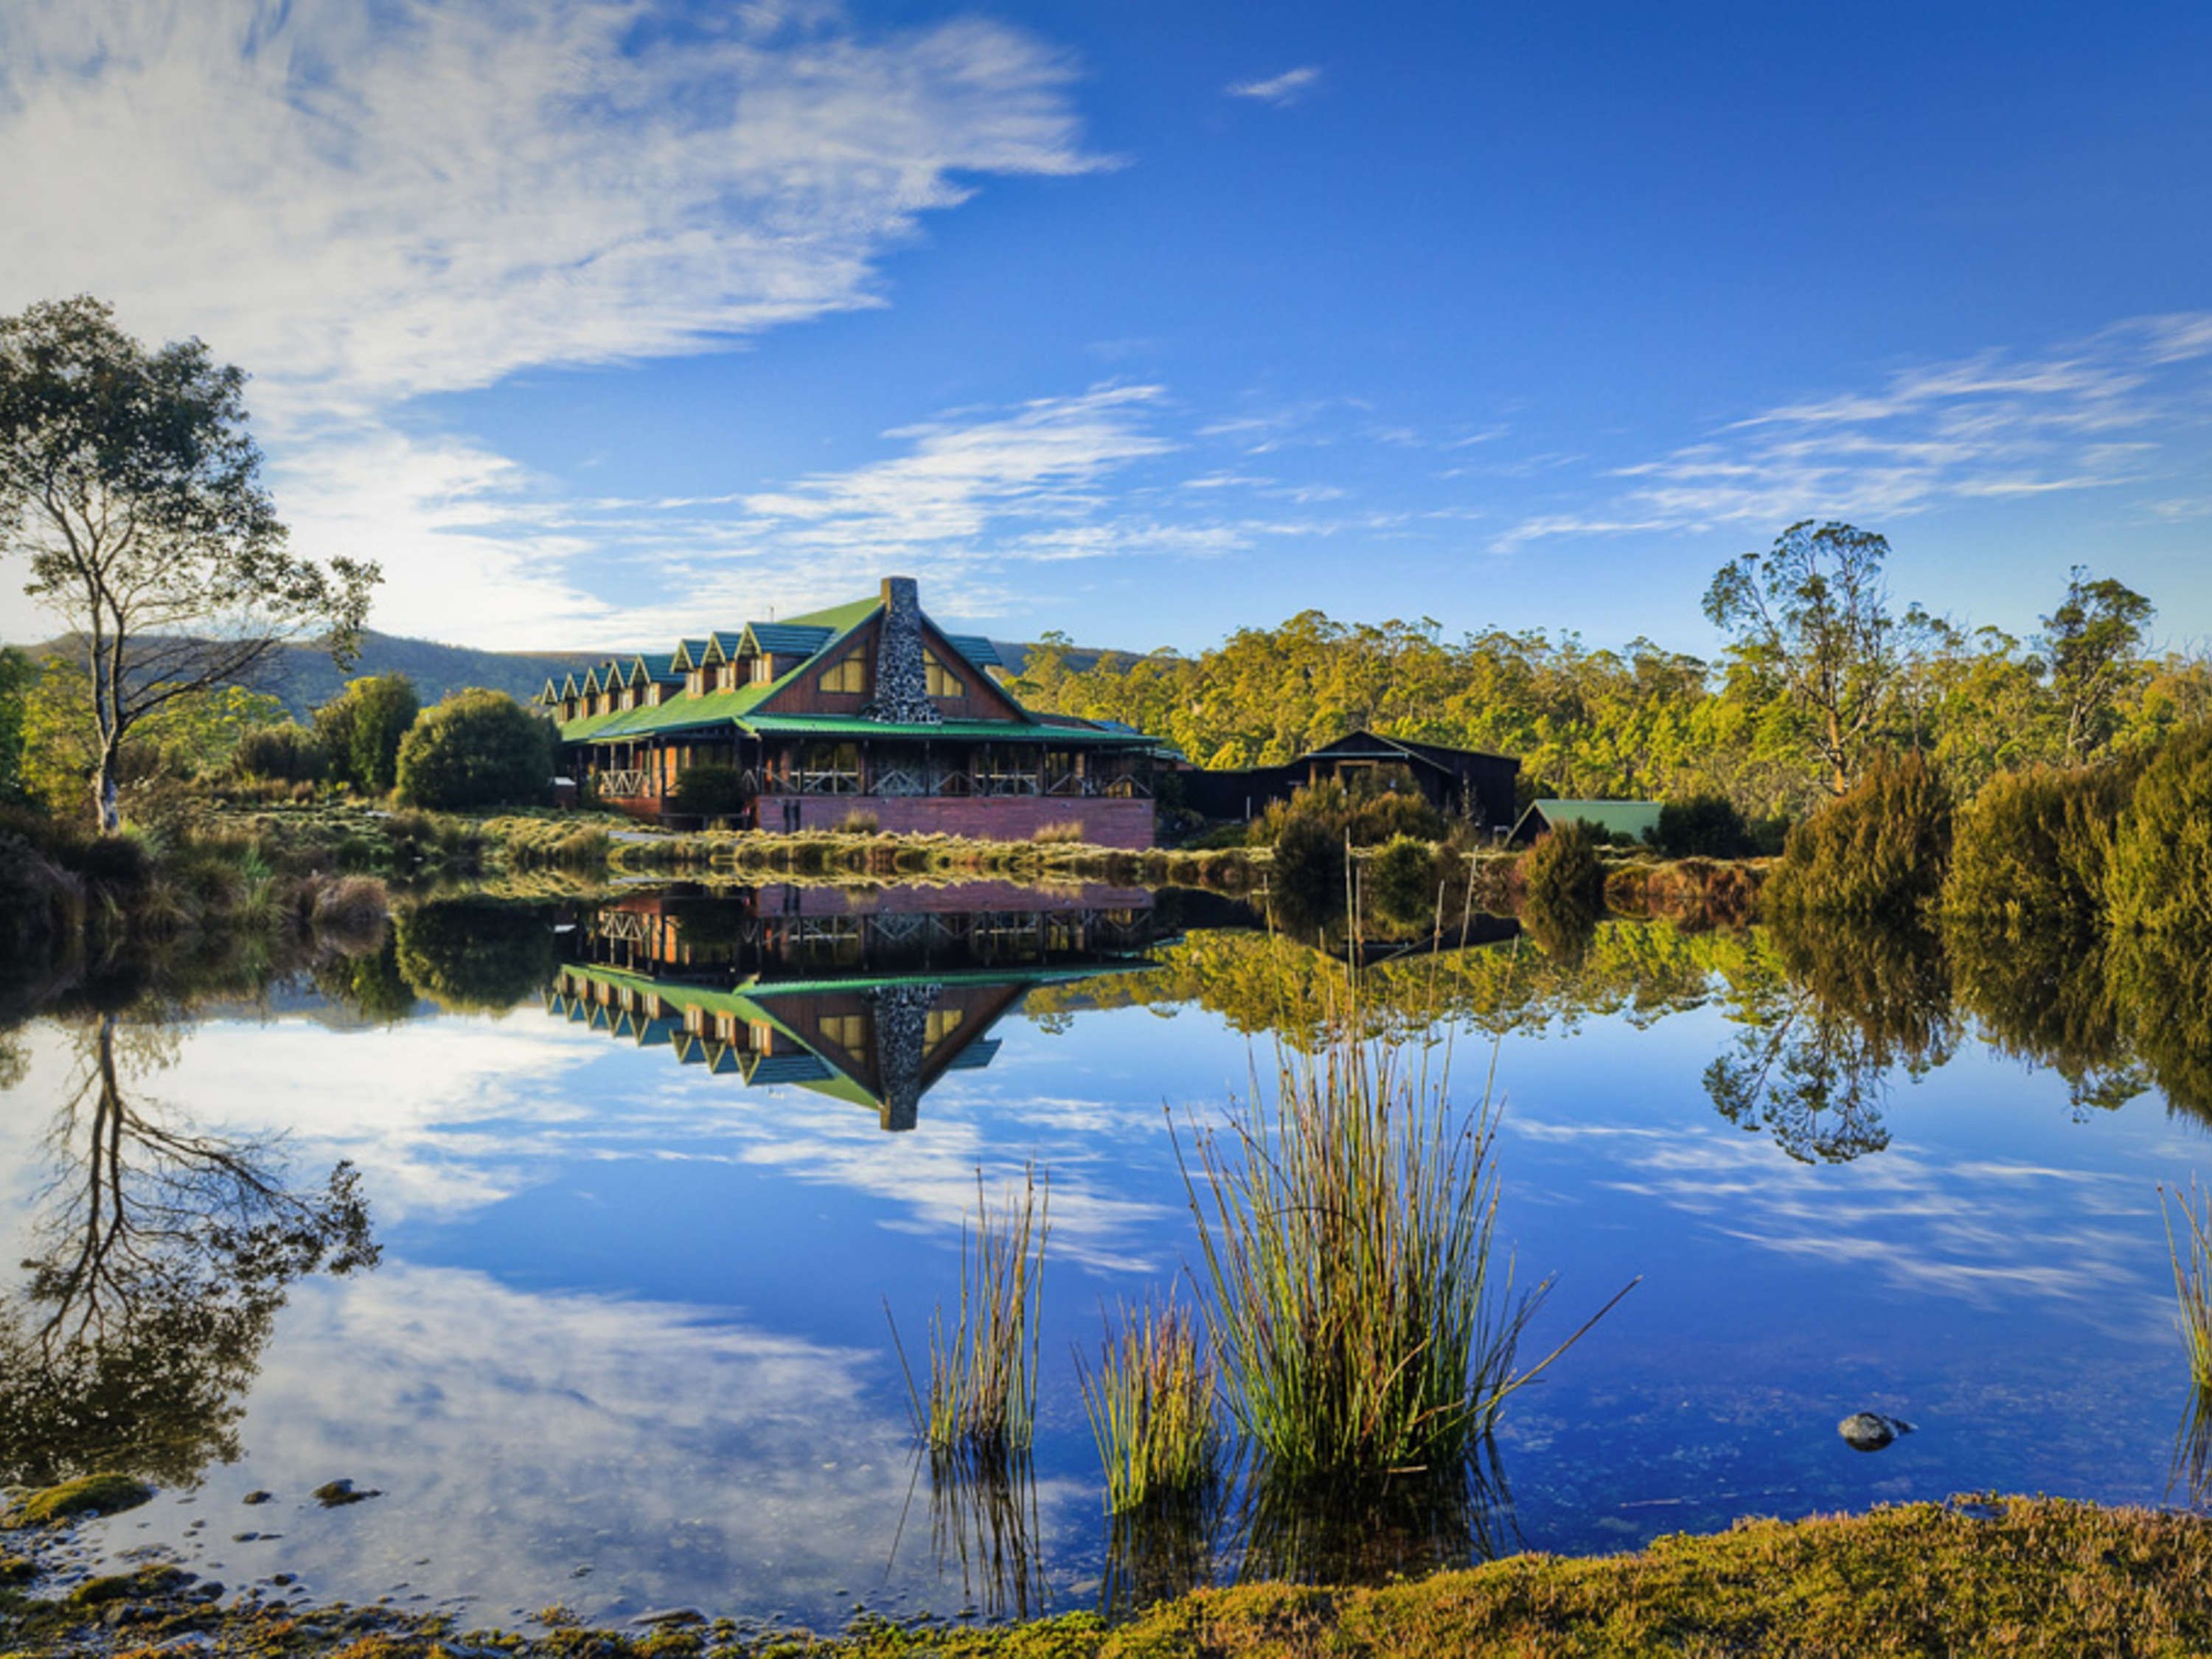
[
  {"x": 763, "y": 670},
  {"x": 849, "y": 674},
  {"x": 939, "y": 680},
  {"x": 652, "y": 695},
  {"x": 695, "y": 682}
]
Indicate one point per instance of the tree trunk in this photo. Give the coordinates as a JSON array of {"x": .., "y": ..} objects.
[{"x": 106, "y": 797}]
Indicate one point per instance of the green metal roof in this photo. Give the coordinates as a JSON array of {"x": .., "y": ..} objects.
[
  {"x": 1615, "y": 817},
  {"x": 847, "y": 725},
  {"x": 838, "y": 618},
  {"x": 790, "y": 639}
]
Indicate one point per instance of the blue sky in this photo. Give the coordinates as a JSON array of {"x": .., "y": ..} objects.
[{"x": 594, "y": 320}]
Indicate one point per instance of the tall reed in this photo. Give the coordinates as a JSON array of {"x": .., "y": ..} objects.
[
  {"x": 1348, "y": 1224},
  {"x": 2192, "y": 1255},
  {"x": 1150, "y": 1405},
  {"x": 2190, "y": 1252},
  {"x": 982, "y": 1368}
]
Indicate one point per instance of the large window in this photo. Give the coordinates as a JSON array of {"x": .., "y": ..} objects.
[
  {"x": 849, "y": 1031},
  {"x": 942, "y": 682},
  {"x": 850, "y": 674},
  {"x": 763, "y": 670}
]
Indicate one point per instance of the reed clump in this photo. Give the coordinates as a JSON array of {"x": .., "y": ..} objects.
[
  {"x": 1150, "y": 1405},
  {"x": 2191, "y": 1253},
  {"x": 1347, "y": 1225},
  {"x": 980, "y": 1396}
]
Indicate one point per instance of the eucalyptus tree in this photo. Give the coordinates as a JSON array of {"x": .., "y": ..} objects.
[
  {"x": 129, "y": 485},
  {"x": 2093, "y": 641},
  {"x": 1811, "y": 616}
]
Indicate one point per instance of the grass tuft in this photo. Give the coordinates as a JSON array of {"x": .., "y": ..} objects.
[
  {"x": 981, "y": 1387},
  {"x": 1150, "y": 1405},
  {"x": 1347, "y": 1224}
]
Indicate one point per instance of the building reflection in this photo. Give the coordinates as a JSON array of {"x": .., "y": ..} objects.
[{"x": 867, "y": 996}]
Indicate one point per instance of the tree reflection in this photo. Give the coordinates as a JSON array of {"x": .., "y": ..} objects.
[
  {"x": 476, "y": 955},
  {"x": 2049, "y": 999},
  {"x": 1853, "y": 1004},
  {"x": 159, "y": 1258}
]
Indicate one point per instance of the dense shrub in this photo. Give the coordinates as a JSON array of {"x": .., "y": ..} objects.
[
  {"x": 1403, "y": 880},
  {"x": 478, "y": 748},
  {"x": 116, "y": 865},
  {"x": 709, "y": 790},
  {"x": 1307, "y": 873},
  {"x": 1380, "y": 804},
  {"x": 289, "y": 753},
  {"x": 2030, "y": 852},
  {"x": 1878, "y": 853},
  {"x": 1562, "y": 884},
  {"x": 1703, "y": 827},
  {"x": 361, "y": 728},
  {"x": 2161, "y": 875}
]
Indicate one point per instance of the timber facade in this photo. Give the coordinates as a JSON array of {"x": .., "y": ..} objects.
[{"x": 866, "y": 711}]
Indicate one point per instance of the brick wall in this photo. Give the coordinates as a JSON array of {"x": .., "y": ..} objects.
[{"x": 1106, "y": 822}]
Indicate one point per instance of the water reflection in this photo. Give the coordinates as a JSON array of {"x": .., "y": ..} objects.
[
  {"x": 158, "y": 1257},
  {"x": 983, "y": 1524},
  {"x": 871, "y": 997}
]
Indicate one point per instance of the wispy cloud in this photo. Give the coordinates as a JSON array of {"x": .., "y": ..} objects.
[
  {"x": 1278, "y": 90},
  {"x": 366, "y": 204},
  {"x": 2097, "y": 414}
]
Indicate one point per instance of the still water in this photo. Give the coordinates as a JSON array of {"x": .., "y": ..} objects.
[{"x": 570, "y": 1229}]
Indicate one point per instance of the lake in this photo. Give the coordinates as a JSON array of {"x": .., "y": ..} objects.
[{"x": 574, "y": 1229}]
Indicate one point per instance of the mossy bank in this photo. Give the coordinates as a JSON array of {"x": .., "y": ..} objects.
[{"x": 2001, "y": 1575}]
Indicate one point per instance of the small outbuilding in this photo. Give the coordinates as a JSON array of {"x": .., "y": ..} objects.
[
  {"x": 1629, "y": 820},
  {"x": 1456, "y": 781}
]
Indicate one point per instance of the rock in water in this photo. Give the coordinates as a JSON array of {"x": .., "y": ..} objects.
[{"x": 1869, "y": 1431}]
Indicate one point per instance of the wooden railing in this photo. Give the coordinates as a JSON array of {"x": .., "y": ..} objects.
[{"x": 625, "y": 784}]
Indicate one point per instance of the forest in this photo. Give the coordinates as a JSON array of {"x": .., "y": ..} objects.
[{"x": 1644, "y": 721}]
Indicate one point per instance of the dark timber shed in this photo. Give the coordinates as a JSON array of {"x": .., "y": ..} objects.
[{"x": 1456, "y": 780}]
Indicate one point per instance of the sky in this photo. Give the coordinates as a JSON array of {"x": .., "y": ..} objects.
[{"x": 597, "y": 321}]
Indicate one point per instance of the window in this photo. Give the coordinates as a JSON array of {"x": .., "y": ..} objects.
[
  {"x": 941, "y": 681},
  {"x": 763, "y": 670},
  {"x": 849, "y": 1031},
  {"x": 851, "y": 674},
  {"x": 695, "y": 682},
  {"x": 941, "y": 1024}
]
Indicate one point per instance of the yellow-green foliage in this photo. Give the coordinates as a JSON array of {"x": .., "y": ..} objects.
[
  {"x": 1405, "y": 880},
  {"x": 90, "y": 1494},
  {"x": 2161, "y": 869},
  {"x": 2030, "y": 851},
  {"x": 1878, "y": 853}
]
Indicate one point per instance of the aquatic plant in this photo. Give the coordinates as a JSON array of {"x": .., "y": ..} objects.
[
  {"x": 2191, "y": 1256},
  {"x": 1150, "y": 1405},
  {"x": 1347, "y": 1222},
  {"x": 982, "y": 1382}
]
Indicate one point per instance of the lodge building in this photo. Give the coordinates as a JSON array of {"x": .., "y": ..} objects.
[{"x": 868, "y": 709}]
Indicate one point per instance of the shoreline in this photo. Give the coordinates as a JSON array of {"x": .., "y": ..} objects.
[{"x": 1980, "y": 1573}]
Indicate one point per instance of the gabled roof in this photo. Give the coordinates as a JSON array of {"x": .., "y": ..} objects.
[
  {"x": 1631, "y": 818},
  {"x": 790, "y": 639},
  {"x": 568, "y": 688},
  {"x": 808, "y": 638}
]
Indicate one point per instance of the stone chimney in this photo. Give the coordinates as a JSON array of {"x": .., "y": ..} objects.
[{"x": 901, "y": 685}]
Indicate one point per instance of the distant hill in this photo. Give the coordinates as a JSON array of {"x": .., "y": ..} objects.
[{"x": 305, "y": 678}]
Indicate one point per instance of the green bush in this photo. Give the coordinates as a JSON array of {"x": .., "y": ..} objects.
[
  {"x": 709, "y": 790},
  {"x": 1876, "y": 853},
  {"x": 2161, "y": 876},
  {"x": 1308, "y": 872},
  {"x": 288, "y": 753},
  {"x": 1402, "y": 880},
  {"x": 361, "y": 728},
  {"x": 2031, "y": 851},
  {"x": 1703, "y": 827},
  {"x": 478, "y": 748},
  {"x": 1562, "y": 890}
]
